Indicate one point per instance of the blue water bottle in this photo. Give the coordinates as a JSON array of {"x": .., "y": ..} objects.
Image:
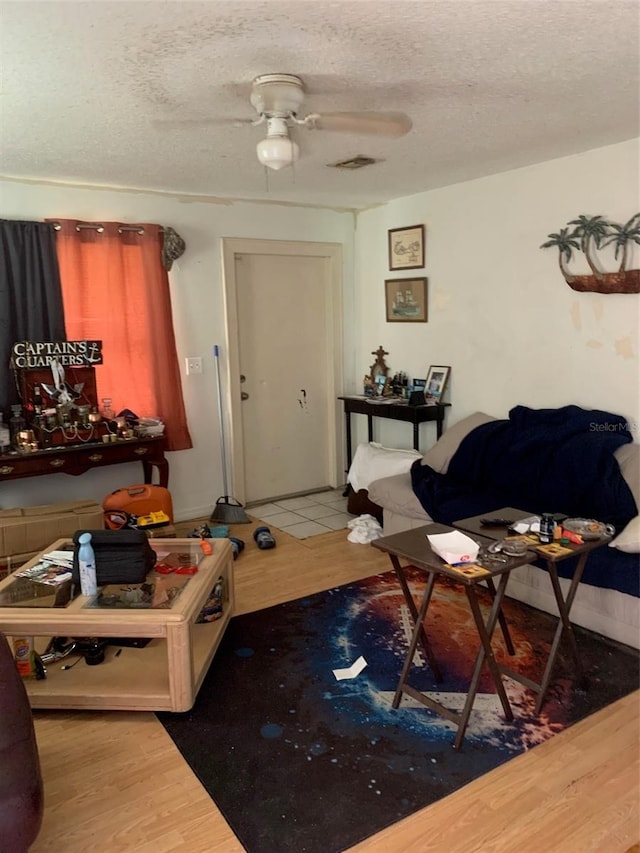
[{"x": 87, "y": 566}]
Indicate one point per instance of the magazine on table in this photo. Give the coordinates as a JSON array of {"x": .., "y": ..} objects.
[{"x": 53, "y": 568}]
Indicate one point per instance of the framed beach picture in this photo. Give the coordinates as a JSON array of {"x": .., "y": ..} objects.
[
  {"x": 406, "y": 300},
  {"x": 437, "y": 378},
  {"x": 406, "y": 248}
]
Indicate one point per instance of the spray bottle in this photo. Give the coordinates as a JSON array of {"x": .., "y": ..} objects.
[{"x": 87, "y": 566}]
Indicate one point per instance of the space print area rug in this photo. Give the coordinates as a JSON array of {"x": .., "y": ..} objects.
[{"x": 300, "y": 758}]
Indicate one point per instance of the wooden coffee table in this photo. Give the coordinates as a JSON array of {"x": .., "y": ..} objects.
[
  {"x": 166, "y": 674},
  {"x": 413, "y": 547},
  {"x": 551, "y": 557}
]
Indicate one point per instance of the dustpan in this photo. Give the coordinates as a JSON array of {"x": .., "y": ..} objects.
[{"x": 227, "y": 510}]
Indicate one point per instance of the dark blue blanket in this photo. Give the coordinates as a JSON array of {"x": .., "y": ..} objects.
[{"x": 544, "y": 460}]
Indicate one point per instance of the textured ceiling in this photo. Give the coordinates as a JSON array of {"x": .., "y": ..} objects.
[{"x": 140, "y": 94}]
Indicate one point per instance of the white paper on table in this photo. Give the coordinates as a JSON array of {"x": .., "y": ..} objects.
[
  {"x": 350, "y": 671},
  {"x": 531, "y": 524},
  {"x": 59, "y": 558},
  {"x": 454, "y": 547}
]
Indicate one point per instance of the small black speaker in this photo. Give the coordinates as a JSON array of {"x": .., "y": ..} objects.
[{"x": 417, "y": 398}]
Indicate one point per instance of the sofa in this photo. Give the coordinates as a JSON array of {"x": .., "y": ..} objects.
[{"x": 566, "y": 460}]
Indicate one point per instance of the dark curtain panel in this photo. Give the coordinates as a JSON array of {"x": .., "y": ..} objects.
[{"x": 30, "y": 294}]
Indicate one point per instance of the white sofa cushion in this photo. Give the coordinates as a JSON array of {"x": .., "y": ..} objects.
[
  {"x": 373, "y": 461},
  {"x": 628, "y": 457},
  {"x": 629, "y": 539}
]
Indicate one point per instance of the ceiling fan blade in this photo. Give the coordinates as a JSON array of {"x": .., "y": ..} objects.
[{"x": 380, "y": 124}]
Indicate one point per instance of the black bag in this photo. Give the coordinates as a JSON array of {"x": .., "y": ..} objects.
[{"x": 122, "y": 556}]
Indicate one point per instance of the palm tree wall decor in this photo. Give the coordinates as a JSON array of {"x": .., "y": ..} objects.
[{"x": 590, "y": 234}]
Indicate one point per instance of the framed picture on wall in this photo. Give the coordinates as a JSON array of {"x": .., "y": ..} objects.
[
  {"x": 406, "y": 300},
  {"x": 406, "y": 248},
  {"x": 437, "y": 378}
]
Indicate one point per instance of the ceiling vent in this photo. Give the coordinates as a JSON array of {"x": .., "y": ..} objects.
[{"x": 358, "y": 162}]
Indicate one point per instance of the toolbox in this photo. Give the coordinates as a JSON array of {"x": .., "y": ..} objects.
[{"x": 140, "y": 499}]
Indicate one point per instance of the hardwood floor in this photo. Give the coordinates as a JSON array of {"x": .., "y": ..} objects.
[{"x": 115, "y": 782}]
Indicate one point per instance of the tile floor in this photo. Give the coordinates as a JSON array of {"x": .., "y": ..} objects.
[{"x": 305, "y": 516}]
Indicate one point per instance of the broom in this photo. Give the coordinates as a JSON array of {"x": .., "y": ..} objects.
[{"x": 227, "y": 510}]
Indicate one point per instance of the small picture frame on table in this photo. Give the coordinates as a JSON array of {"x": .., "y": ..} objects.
[
  {"x": 406, "y": 248},
  {"x": 436, "y": 382}
]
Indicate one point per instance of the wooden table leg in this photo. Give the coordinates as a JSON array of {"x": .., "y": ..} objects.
[
  {"x": 180, "y": 666},
  {"x": 162, "y": 466},
  {"x": 370, "y": 427},
  {"x": 563, "y": 627},
  {"x": 485, "y": 652},
  {"x": 347, "y": 432},
  {"x": 417, "y": 621},
  {"x": 501, "y": 618},
  {"x": 347, "y": 425},
  {"x": 418, "y": 631}
]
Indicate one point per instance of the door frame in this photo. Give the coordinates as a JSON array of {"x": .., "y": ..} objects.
[{"x": 332, "y": 253}]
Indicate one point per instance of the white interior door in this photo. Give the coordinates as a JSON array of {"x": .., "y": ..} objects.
[{"x": 285, "y": 339}]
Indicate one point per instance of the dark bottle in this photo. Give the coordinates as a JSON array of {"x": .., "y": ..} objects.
[
  {"x": 547, "y": 527},
  {"x": 44, "y": 436},
  {"x": 17, "y": 423}
]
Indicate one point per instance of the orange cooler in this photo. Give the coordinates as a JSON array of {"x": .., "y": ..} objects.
[{"x": 140, "y": 499}]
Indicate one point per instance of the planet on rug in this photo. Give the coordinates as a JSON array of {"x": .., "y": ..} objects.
[{"x": 301, "y": 762}]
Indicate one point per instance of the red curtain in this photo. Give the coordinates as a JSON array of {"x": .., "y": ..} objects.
[{"x": 116, "y": 290}]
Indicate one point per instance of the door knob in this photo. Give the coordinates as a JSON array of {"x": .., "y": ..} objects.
[{"x": 244, "y": 395}]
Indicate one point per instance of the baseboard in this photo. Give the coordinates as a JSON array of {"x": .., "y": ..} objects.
[{"x": 194, "y": 512}]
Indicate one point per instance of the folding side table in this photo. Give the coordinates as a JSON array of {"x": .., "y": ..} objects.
[
  {"x": 413, "y": 546},
  {"x": 551, "y": 554}
]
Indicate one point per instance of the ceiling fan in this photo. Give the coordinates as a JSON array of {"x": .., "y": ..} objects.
[{"x": 277, "y": 99}]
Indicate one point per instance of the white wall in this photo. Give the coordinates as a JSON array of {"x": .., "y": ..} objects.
[
  {"x": 500, "y": 312},
  {"x": 197, "y": 299}
]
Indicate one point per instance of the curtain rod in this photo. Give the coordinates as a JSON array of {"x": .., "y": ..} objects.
[{"x": 100, "y": 228}]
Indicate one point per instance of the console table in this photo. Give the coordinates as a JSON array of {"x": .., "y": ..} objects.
[
  {"x": 397, "y": 411},
  {"x": 78, "y": 459}
]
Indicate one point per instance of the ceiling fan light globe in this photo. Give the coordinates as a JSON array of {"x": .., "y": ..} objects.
[{"x": 276, "y": 152}]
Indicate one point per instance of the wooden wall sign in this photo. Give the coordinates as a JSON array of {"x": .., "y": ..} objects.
[{"x": 29, "y": 355}]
